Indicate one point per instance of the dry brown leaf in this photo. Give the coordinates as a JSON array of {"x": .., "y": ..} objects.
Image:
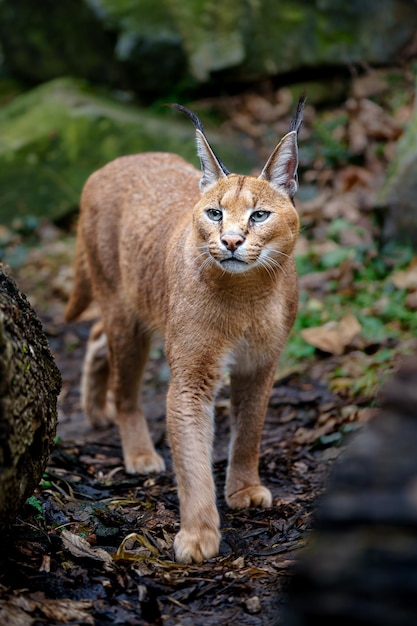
[
  {"x": 253, "y": 605},
  {"x": 352, "y": 176},
  {"x": 46, "y": 563},
  {"x": 370, "y": 84},
  {"x": 81, "y": 549},
  {"x": 333, "y": 337},
  {"x": 135, "y": 546},
  {"x": 344, "y": 205},
  {"x": 369, "y": 120},
  {"x": 314, "y": 281},
  {"x": 367, "y": 414},
  {"x": 245, "y": 123},
  {"x": 310, "y": 435},
  {"x": 302, "y": 247},
  {"x": 16, "y": 610},
  {"x": 284, "y": 563},
  {"x": 411, "y": 301},
  {"x": 323, "y": 418},
  {"x": 68, "y": 611},
  {"x": 260, "y": 108},
  {"x": 406, "y": 279},
  {"x": 313, "y": 209},
  {"x": 300, "y": 467},
  {"x": 12, "y": 614}
]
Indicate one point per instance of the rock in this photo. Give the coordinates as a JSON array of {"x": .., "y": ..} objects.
[
  {"x": 361, "y": 563},
  {"x": 398, "y": 195},
  {"x": 42, "y": 42},
  {"x": 29, "y": 386},
  {"x": 268, "y": 38},
  {"x": 55, "y": 136},
  {"x": 167, "y": 46},
  {"x": 149, "y": 45}
]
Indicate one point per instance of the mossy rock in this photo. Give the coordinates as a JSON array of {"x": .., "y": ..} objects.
[
  {"x": 398, "y": 195},
  {"x": 172, "y": 46},
  {"x": 234, "y": 40},
  {"x": 43, "y": 40},
  {"x": 54, "y": 137}
]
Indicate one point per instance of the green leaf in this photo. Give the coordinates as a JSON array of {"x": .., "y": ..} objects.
[{"x": 335, "y": 258}]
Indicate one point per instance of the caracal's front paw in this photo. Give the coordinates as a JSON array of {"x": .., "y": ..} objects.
[
  {"x": 196, "y": 546},
  {"x": 150, "y": 463},
  {"x": 252, "y": 496}
]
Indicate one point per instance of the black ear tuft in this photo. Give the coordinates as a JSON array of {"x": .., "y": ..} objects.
[
  {"x": 193, "y": 117},
  {"x": 297, "y": 120},
  {"x": 199, "y": 126},
  {"x": 281, "y": 168}
]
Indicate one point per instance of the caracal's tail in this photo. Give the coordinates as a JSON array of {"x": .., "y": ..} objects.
[{"x": 81, "y": 294}]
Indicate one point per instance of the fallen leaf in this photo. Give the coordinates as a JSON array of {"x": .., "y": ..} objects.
[
  {"x": 68, "y": 611},
  {"x": 10, "y": 614},
  {"x": 310, "y": 435},
  {"x": 135, "y": 546},
  {"x": 333, "y": 337},
  {"x": 344, "y": 205},
  {"x": 253, "y": 605},
  {"x": 370, "y": 84},
  {"x": 15, "y": 611},
  {"x": 411, "y": 301},
  {"x": 300, "y": 467},
  {"x": 81, "y": 549},
  {"x": 407, "y": 278},
  {"x": 352, "y": 176},
  {"x": 46, "y": 563},
  {"x": 369, "y": 120}
]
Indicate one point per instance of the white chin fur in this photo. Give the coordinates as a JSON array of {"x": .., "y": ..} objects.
[{"x": 234, "y": 267}]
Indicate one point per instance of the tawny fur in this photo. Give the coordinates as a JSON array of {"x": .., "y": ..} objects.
[{"x": 224, "y": 293}]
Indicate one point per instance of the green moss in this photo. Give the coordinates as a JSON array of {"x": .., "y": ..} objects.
[{"x": 54, "y": 137}]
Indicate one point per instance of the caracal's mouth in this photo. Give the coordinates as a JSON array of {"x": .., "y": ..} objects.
[{"x": 232, "y": 264}]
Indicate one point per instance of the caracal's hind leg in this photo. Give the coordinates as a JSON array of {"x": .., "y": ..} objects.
[
  {"x": 95, "y": 379},
  {"x": 129, "y": 346},
  {"x": 249, "y": 398}
]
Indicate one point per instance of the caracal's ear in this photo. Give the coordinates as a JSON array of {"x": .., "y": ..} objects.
[
  {"x": 281, "y": 168},
  {"x": 211, "y": 166}
]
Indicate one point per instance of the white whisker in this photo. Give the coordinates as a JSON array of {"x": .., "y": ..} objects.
[
  {"x": 279, "y": 266},
  {"x": 205, "y": 255},
  {"x": 265, "y": 265},
  {"x": 206, "y": 262},
  {"x": 279, "y": 252},
  {"x": 271, "y": 265}
]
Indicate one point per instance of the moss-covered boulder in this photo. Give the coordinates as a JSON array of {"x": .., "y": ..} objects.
[
  {"x": 53, "y": 137},
  {"x": 43, "y": 40},
  {"x": 251, "y": 40},
  {"x": 166, "y": 46},
  {"x": 398, "y": 196}
]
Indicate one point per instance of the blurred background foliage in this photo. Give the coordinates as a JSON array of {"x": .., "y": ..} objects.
[{"x": 77, "y": 75}]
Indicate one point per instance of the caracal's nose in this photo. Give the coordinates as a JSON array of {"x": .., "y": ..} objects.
[{"x": 232, "y": 241}]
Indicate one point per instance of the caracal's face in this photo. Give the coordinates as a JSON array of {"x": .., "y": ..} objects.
[{"x": 243, "y": 223}]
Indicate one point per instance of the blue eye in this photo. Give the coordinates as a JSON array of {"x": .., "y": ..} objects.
[
  {"x": 259, "y": 216},
  {"x": 215, "y": 215}
]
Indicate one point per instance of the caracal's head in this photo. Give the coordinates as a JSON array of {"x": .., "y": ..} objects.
[{"x": 244, "y": 222}]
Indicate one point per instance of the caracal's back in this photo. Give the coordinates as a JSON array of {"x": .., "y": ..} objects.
[{"x": 129, "y": 207}]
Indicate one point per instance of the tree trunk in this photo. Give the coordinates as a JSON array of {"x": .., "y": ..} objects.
[{"x": 29, "y": 385}]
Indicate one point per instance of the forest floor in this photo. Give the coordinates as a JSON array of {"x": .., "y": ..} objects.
[{"x": 93, "y": 545}]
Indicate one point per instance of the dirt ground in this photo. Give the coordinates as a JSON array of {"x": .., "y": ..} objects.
[{"x": 98, "y": 549}]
